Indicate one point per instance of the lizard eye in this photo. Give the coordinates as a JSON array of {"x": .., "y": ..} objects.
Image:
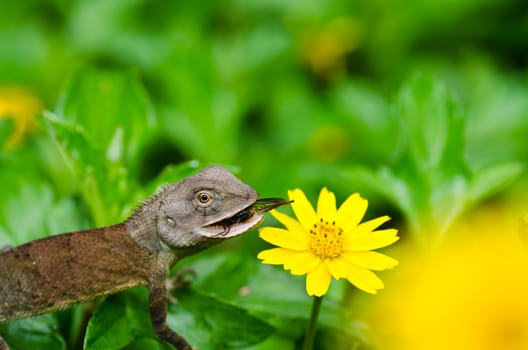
[
  {"x": 204, "y": 197},
  {"x": 171, "y": 221},
  {"x": 204, "y": 201}
]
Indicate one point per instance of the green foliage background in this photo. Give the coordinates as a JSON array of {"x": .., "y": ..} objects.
[{"x": 422, "y": 107}]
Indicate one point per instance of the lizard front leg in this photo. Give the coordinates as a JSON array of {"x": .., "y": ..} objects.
[{"x": 158, "y": 311}]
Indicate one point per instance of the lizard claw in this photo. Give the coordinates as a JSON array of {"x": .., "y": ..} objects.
[{"x": 177, "y": 281}]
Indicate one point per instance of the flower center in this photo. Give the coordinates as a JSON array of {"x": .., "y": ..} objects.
[{"x": 326, "y": 239}]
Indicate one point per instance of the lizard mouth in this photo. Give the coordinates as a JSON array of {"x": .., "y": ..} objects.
[{"x": 244, "y": 220}]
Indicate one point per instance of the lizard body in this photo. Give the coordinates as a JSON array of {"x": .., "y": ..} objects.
[{"x": 59, "y": 271}]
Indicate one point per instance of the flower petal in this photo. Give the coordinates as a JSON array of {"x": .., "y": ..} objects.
[
  {"x": 318, "y": 281},
  {"x": 291, "y": 224},
  {"x": 302, "y": 263},
  {"x": 302, "y": 208},
  {"x": 362, "y": 278},
  {"x": 351, "y": 212},
  {"x": 337, "y": 267},
  {"x": 367, "y": 227},
  {"x": 373, "y": 224},
  {"x": 326, "y": 205},
  {"x": 370, "y": 260},
  {"x": 276, "y": 256},
  {"x": 370, "y": 241},
  {"x": 284, "y": 238}
]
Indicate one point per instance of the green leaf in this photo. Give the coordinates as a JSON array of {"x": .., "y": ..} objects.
[
  {"x": 203, "y": 320},
  {"x": 104, "y": 140},
  {"x": 113, "y": 110},
  {"x": 38, "y": 333},
  {"x": 267, "y": 291},
  {"x": 494, "y": 178},
  {"x": 430, "y": 180},
  {"x": 48, "y": 214},
  {"x": 431, "y": 125},
  {"x": 369, "y": 121},
  {"x": 97, "y": 180},
  {"x": 208, "y": 323},
  {"x": 224, "y": 272},
  {"x": 273, "y": 342},
  {"x": 121, "y": 319}
]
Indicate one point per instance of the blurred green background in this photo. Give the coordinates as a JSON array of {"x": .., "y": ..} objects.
[{"x": 421, "y": 107}]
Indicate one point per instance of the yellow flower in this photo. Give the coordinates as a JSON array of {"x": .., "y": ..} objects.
[
  {"x": 23, "y": 107},
  {"x": 468, "y": 293},
  {"x": 329, "y": 243}
]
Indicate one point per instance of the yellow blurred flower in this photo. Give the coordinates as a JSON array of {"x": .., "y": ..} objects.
[
  {"x": 470, "y": 294},
  {"x": 324, "y": 49},
  {"x": 329, "y": 243},
  {"x": 329, "y": 143},
  {"x": 23, "y": 107}
]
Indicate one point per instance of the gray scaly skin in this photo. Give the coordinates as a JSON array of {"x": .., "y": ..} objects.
[{"x": 184, "y": 218}]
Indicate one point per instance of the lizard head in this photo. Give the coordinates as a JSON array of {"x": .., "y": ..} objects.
[{"x": 207, "y": 208}]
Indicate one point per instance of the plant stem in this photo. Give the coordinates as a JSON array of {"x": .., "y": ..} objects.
[{"x": 312, "y": 324}]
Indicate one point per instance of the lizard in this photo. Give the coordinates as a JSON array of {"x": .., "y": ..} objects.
[{"x": 183, "y": 218}]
